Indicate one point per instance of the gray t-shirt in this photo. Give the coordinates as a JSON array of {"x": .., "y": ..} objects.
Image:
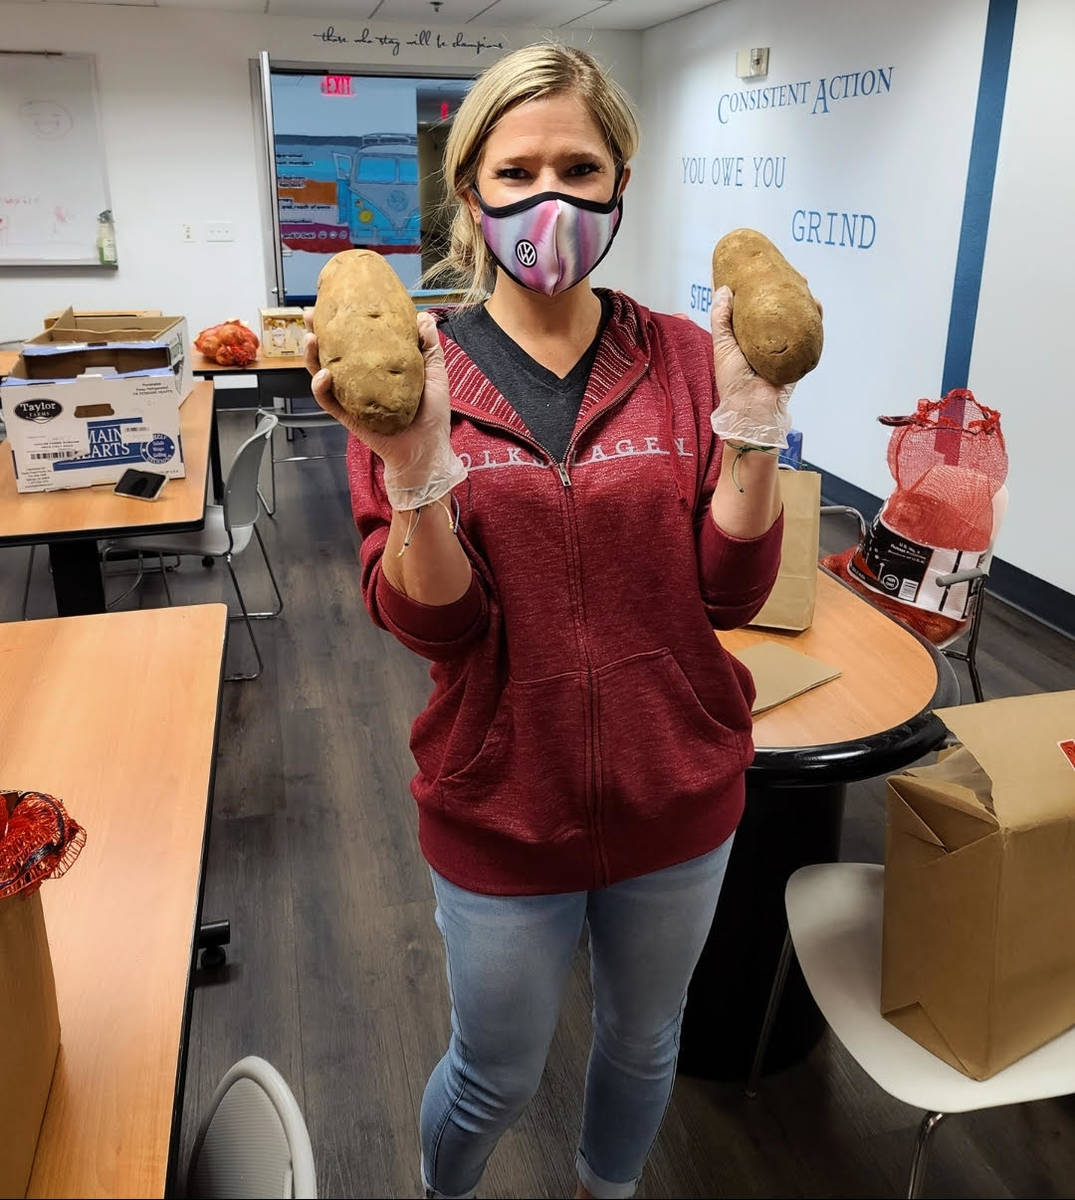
[{"x": 547, "y": 404}]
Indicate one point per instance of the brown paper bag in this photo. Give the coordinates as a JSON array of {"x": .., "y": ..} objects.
[
  {"x": 29, "y": 1036},
  {"x": 791, "y": 602},
  {"x": 978, "y": 961}
]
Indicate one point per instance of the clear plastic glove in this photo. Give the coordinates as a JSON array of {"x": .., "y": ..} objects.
[
  {"x": 420, "y": 465},
  {"x": 752, "y": 411}
]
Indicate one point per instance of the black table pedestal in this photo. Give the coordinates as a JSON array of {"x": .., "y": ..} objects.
[
  {"x": 783, "y": 828},
  {"x": 76, "y": 578}
]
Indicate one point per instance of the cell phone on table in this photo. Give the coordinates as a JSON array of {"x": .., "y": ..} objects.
[{"x": 140, "y": 485}]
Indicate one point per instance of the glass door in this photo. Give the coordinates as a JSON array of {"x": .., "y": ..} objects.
[{"x": 350, "y": 169}]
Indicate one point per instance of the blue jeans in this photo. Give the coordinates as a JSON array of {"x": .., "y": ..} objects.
[{"x": 508, "y": 960}]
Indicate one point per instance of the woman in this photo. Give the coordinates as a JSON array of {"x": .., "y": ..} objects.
[{"x": 560, "y": 531}]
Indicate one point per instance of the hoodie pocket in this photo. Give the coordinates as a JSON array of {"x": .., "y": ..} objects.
[
  {"x": 527, "y": 779},
  {"x": 659, "y": 746}
]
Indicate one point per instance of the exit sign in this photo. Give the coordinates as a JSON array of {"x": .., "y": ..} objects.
[{"x": 336, "y": 85}]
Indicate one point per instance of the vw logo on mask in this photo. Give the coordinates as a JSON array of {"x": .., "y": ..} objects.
[{"x": 525, "y": 252}]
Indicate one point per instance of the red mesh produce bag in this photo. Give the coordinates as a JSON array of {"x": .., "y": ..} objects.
[
  {"x": 230, "y": 344},
  {"x": 38, "y": 840},
  {"x": 949, "y": 463},
  {"x": 948, "y": 460}
]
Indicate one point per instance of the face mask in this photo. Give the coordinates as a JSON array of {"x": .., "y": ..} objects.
[{"x": 550, "y": 241}]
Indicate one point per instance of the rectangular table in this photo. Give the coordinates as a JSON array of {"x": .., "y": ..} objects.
[
  {"x": 116, "y": 714},
  {"x": 263, "y": 363},
  {"x": 72, "y": 521}
]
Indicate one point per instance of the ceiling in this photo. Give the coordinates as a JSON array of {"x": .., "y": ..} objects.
[{"x": 537, "y": 14}]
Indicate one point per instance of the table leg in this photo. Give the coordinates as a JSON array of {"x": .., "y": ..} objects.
[
  {"x": 783, "y": 828},
  {"x": 214, "y": 457},
  {"x": 76, "y": 578}
]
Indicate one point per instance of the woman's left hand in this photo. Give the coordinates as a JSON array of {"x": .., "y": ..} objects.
[{"x": 751, "y": 410}]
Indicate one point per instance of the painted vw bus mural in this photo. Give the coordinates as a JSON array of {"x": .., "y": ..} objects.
[
  {"x": 378, "y": 186},
  {"x": 339, "y": 193}
]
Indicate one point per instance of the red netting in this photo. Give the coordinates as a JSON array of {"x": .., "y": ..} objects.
[
  {"x": 38, "y": 840},
  {"x": 933, "y": 626},
  {"x": 948, "y": 460}
]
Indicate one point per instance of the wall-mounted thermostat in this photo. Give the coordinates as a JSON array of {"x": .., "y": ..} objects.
[{"x": 751, "y": 63}]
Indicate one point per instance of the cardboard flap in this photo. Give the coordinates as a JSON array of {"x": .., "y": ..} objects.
[
  {"x": 1017, "y": 742},
  {"x": 781, "y": 673},
  {"x": 904, "y": 819},
  {"x": 951, "y": 798}
]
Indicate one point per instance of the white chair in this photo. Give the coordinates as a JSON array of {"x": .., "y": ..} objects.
[
  {"x": 834, "y": 929},
  {"x": 227, "y": 532},
  {"x": 252, "y": 1141},
  {"x": 292, "y": 422}
]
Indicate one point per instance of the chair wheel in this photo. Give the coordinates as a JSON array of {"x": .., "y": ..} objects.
[
  {"x": 208, "y": 561},
  {"x": 212, "y": 958}
]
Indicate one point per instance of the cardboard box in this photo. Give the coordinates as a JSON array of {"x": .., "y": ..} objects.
[
  {"x": 282, "y": 331},
  {"x": 978, "y": 961},
  {"x": 91, "y": 396},
  {"x": 111, "y": 313},
  {"x": 29, "y": 1036}
]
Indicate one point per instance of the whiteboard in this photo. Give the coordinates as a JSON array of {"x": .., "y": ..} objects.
[{"x": 53, "y": 182}]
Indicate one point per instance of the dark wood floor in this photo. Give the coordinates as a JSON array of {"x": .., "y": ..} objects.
[{"x": 335, "y": 970}]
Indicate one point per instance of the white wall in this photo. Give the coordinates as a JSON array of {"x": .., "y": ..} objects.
[
  {"x": 1024, "y": 344},
  {"x": 900, "y": 156},
  {"x": 181, "y": 148},
  {"x": 179, "y": 136}
]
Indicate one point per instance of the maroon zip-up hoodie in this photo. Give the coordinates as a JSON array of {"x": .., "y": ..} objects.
[{"x": 585, "y": 724}]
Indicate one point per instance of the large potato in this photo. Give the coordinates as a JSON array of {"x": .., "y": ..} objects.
[
  {"x": 367, "y": 338},
  {"x": 775, "y": 319}
]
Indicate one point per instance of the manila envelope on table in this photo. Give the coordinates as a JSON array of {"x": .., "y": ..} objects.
[{"x": 781, "y": 673}]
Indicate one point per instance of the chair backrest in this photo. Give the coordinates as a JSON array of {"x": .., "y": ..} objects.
[
  {"x": 305, "y": 419},
  {"x": 253, "y": 1140},
  {"x": 241, "y": 487}
]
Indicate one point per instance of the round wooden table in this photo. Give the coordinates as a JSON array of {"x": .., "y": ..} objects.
[{"x": 876, "y": 718}]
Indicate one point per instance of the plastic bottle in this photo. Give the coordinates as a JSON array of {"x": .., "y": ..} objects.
[{"x": 106, "y": 239}]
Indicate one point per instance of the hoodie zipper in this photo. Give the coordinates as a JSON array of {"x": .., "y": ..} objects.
[{"x": 593, "y": 807}]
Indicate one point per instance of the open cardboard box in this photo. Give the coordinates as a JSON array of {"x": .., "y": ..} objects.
[
  {"x": 283, "y": 331},
  {"x": 91, "y": 396},
  {"x": 111, "y": 314}
]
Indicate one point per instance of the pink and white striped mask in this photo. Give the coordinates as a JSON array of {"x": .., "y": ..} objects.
[{"x": 550, "y": 241}]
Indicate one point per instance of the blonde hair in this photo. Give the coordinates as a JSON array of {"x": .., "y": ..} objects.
[{"x": 531, "y": 73}]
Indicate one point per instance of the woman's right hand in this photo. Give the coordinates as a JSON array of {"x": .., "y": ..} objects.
[
  {"x": 419, "y": 463},
  {"x": 751, "y": 410}
]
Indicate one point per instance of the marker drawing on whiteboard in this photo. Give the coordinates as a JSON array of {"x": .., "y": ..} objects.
[{"x": 46, "y": 120}]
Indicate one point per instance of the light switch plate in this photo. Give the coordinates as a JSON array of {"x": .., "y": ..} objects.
[{"x": 219, "y": 231}]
